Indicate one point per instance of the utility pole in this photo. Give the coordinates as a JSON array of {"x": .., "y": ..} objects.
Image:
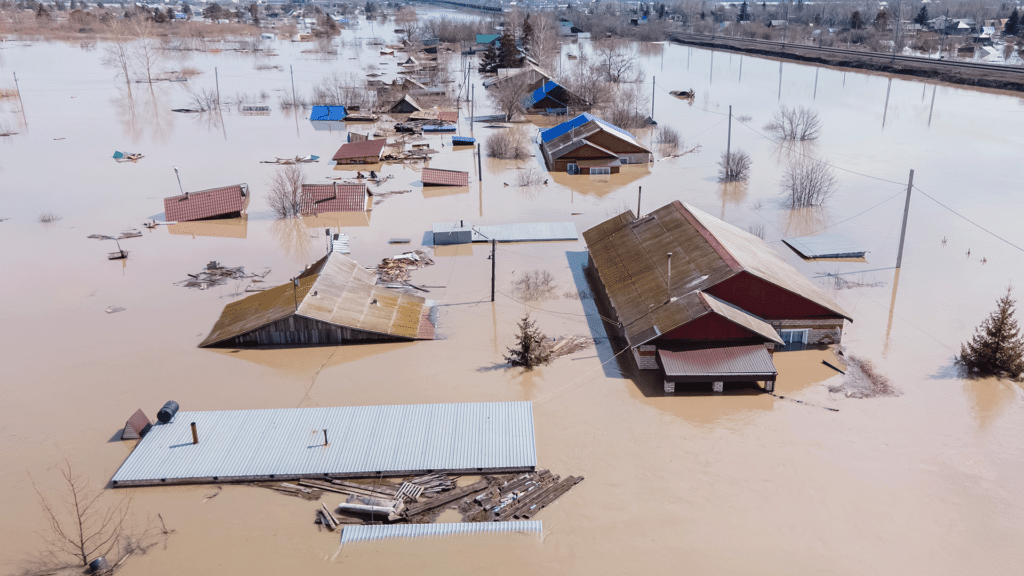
[
  {"x": 216, "y": 78},
  {"x": 179, "y": 180},
  {"x": 906, "y": 213},
  {"x": 728, "y": 140},
  {"x": 639, "y": 192},
  {"x": 654, "y": 83},
  {"x": 20, "y": 101},
  {"x": 472, "y": 103},
  {"x": 479, "y": 164},
  {"x": 494, "y": 250},
  {"x": 293, "y": 84}
]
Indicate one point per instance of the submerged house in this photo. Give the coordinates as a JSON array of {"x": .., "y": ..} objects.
[
  {"x": 335, "y": 301},
  {"x": 226, "y": 202},
  {"x": 548, "y": 96},
  {"x": 365, "y": 152},
  {"x": 703, "y": 301},
  {"x": 405, "y": 105},
  {"x": 320, "y": 198},
  {"x": 589, "y": 145}
]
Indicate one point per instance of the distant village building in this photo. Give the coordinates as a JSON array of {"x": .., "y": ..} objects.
[
  {"x": 405, "y": 105},
  {"x": 365, "y": 152},
  {"x": 588, "y": 145},
  {"x": 335, "y": 301},
  {"x": 550, "y": 96},
  {"x": 703, "y": 301},
  {"x": 226, "y": 202}
]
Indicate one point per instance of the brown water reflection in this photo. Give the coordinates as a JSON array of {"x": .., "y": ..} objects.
[{"x": 221, "y": 228}]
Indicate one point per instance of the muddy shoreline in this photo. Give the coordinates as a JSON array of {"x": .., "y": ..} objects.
[{"x": 1009, "y": 80}]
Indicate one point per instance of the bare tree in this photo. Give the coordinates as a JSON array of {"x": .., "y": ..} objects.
[
  {"x": 507, "y": 95},
  {"x": 797, "y": 123},
  {"x": 734, "y": 166},
  {"x": 627, "y": 108},
  {"x": 118, "y": 52},
  {"x": 285, "y": 194},
  {"x": 146, "y": 49},
  {"x": 616, "y": 63},
  {"x": 509, "y": 144},
  {"x": 808, "y": 182},
  {"x": 80, "y": 527}
]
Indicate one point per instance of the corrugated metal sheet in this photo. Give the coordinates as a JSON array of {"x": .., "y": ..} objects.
[
  {"x": 742, "y": 318},
  {"x": 364, "y": 533},
  {"x": 719, "y": 364},
  {"x": 463, "y": 141},
  {"x": 279, "y": 444},
  {"x": 206, "y": 203},
  {"x": 431, "y": 128},
  {"x": 579, "y": 121},
  {"x": 438, "y": 177},
  {"x": 336, "y": 290},
  {"x": 327, "y": 113},
  {"x": 319, "y": 198},
  {"x": 829, "y": 246},
  {"x": 486, "y": 38},
  {"x": 631, "y": 257},
  {"x": 357, "y": 150},
  {"x": 526, "y": 232}
]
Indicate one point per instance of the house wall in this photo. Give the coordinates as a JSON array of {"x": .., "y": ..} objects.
[
  {"x": 820, "y": 332},
  {"x": 609, "y": 141},
  {"x": 764, "y": 299},
  {"x": 301, "y": 330},
  {"x": 363, "y": 160},
  {"x": 710, "y": 327}
]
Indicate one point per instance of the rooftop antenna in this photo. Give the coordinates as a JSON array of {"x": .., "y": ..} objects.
[
  {"x": 179, "y": 180},
  {"x": 670, "y": 273}
]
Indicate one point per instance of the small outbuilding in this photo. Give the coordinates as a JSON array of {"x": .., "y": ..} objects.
[
  {"x": 405, "y": 105},
  {"x": 327, "y": 113},
  {"x": 589, "y": 145},
  {"x": 365, "y": 152},
  {"x": 334, "y": 197},
  {"x": 225, "y": 202}
]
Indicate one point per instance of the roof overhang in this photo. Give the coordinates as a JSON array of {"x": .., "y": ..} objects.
[{"x": 731, "y": 364}]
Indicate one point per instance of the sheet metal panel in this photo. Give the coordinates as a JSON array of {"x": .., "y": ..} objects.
[
  {"x": 365, "y": 533},
  {"x": 719, "y": 363},
  {"x": 526, "y": 232},
  {"x": 327, "y": 113},
  {"x": 828, "y": 246},
  {"x": 239, "y": 445}
]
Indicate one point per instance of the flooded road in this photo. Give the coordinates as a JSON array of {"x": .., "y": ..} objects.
[{"x": 925, "y": 483}]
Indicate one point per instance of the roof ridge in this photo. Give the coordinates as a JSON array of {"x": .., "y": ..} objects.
[{"x": 710, "y": 238}]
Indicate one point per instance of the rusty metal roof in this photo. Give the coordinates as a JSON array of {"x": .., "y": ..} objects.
[
  {"x": 364, "y": 149},
  {"x": 631, "y": 256},
  {"x": 734, "y": 363},
  {"x": 206, "y": 203},
  {"x": 336, "y": 290},
  {"x": 438, "y": 177},
  {"x": 318, "y": 198}
]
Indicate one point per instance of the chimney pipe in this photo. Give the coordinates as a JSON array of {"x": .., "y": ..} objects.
[
  {"x": 195, "y": 435},
  {"x": 325, "y": 437},
  {"x": 669, "y": 286}
]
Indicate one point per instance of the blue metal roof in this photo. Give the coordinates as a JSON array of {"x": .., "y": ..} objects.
[
  {"x": 486, "y": 38},
  {"x": 463, "y": 140},
  {"x": 540, "y": 93},
  {"x": 432, "y": 128},
  {"x": 332, "y": 113},
  {"x": 287, "y": 443},
  {"x": 363, "y": 533},
  {"x": 564, "y": 127}
]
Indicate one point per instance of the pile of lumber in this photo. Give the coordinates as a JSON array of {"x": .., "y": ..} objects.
[
  {"x": 214, "y": 275},
  {"x": 398, "y": 268},
  {"x": 525, "y": 495}
]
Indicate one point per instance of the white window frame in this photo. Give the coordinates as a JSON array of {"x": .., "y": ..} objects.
[
  {"x": 600, "y": 171},
  {"x": 803, "y": 335}
]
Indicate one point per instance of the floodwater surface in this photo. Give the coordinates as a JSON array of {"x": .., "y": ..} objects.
[{"x": 924, "y": 483}]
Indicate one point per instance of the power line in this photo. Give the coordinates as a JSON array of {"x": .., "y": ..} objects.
[
  {"x": 856, "y": 215},
  {"x": 968, "y": 219}
]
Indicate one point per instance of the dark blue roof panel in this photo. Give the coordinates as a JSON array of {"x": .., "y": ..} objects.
[{"x": 332, "y": 113}]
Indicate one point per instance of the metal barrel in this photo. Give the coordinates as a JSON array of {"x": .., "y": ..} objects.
[{"x": 167, "y": 412}]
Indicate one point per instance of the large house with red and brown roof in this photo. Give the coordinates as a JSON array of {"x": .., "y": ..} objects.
[
  {"x": 225, "y": 202},
  {"x": 702, "y": 300}
]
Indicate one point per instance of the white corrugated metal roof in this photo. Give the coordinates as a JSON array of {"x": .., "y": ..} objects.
[
  {"x": 827, "y": 246},
  {"x": 526, "y": 232},
  {"x": 237, "y": 445},
  {"x": 363, "y": 533}
]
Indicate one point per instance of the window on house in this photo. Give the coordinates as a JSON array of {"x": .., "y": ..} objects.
[
  {"x": 794, "y": 339},
  {"x": 600, "y": 170},
  {"x": 572, "y": 169}
]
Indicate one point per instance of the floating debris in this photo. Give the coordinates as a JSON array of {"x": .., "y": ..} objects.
[
  {"x": 129, "y": 234},
  {"x": 214, "y": 275},
  {"x": 397, "y": 268},
  {"x": 100, "y": 237},
  {"x": 296, "y": 160},
  {"x": 119, "y": 255},
  {"x": 566, "y": 346},
  {"x": 127, "y": 156},
  {"x": 114, "y": 309}
]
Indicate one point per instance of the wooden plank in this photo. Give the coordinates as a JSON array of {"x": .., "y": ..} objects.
[
  {"x": 442, "y": 500},
  {"x": 552, "y": 495},
  {"x": 384, "y": 489}
]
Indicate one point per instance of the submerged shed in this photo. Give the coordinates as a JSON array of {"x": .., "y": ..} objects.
[
  {"x": 327, "y": 113},
  {"x": 335, "y": 301},
  {"x": 334, "y": 197},
  {"x": 226, "y": 202},
  {"x": 438, "y": 177},
  {"x": 365, "y": 152},
  {"x": 405, "y": 105}
]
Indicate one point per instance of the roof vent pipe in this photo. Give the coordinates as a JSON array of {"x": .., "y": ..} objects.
[{"x": 669, "y": 285}]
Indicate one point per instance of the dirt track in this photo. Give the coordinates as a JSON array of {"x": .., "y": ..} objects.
[{"x": 963, "y": 73}]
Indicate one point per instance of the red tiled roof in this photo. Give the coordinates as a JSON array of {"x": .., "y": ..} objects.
[
  {"x": 448, "y": 115},
  {"x": 364, "y": 149},
  {"x": 436, "y": 177},
  {"x": 320, "y": 198},
  {"x": 206, "y": 203}
]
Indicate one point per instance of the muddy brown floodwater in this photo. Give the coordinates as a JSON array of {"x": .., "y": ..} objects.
[{"x": 924, "y": 483}]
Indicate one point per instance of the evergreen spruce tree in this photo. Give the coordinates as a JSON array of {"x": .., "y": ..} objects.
[
  {"x": 526, "y": 36},
  {"x": 530, "y": 350},
  {"x": 508, "y": 53},
  {"x": 922, "y": 16},
  {"x": 997, "y": 347},
  {"x": 489, "y": 62},
  {"x": 744, "y": 14},
  {"x": 1013, "y": 24}
]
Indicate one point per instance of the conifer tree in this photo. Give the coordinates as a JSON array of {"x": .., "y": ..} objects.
[
  {"x": 489, "y": 62},
  {"x": 922, "y": 16},
  {"x": 1013, "y": 24},
  {"x": 526, "y": 36},
  {"x": 530, "y": 350},
  {"x": 997, "y": 347},
  {"x": 508, "y": 52}
]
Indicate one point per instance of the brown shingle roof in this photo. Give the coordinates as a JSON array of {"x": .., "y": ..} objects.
[
  {"x": 631, "y": 257},
  {"x": 319, "y": 198},
  {"x": 438, "y": 177},
  {"x": 364, "y": 149},
  {"x": 206, "y": 203}
]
